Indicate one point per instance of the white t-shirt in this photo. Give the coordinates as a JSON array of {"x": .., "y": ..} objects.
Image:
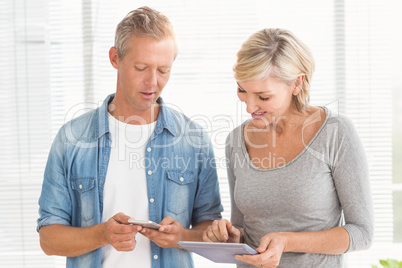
[{"x": 125, "y": 189}]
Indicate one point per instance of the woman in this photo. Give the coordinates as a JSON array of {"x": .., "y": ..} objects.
[{"x": 298, "y": 174}]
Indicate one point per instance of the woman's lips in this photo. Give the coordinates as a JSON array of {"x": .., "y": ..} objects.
[{"x": 258, "y": 115}]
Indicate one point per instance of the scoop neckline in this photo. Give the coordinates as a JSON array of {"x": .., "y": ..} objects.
[{"x": 251, "y": 164}]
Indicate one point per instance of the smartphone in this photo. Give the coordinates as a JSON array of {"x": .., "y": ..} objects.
[{"x": 144, "y": 223}]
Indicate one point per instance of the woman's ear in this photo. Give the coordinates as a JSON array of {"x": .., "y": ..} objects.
[
  {"x": 114, "y": 59},
  {"x": 298, "y": 85}
]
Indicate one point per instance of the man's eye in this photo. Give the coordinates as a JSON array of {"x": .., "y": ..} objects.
[
  {"x": 140, "y": 69},
  {"x": 164, "y": 71}
]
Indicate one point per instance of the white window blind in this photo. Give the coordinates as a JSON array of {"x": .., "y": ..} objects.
[
  {"x": 24, "y": 128},
  {"x": 55, "y": 66}
]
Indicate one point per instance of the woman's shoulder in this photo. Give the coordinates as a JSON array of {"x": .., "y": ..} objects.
[
  {"x": 336, "y": 117},
  {"x": 341, "y": 124}
]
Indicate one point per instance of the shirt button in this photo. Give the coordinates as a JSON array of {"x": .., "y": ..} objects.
[
  {"x": 181, "y": 179},
  {"x": 105, "y": 158},
  {"x": 156, "y": 257},
  {"x": 80, "y": 186},
  {"x": 149, "y": 149},
  {"x": 151, "y": 200},
  {"x": 149, "y": 172}
]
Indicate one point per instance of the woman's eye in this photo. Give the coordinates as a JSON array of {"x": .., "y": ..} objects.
[
  {"x": 240, "y": 90},
  {"x": 264, "y": 99}
]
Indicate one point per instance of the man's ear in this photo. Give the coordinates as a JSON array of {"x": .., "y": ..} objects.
[
  {"x": 114, "y": 59},
  {"x": 298, "y": 85}
]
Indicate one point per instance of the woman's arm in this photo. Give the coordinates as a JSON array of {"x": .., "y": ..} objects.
[
  {"x": 333, "y": 241},
  {"x": 350, "y": 173}
]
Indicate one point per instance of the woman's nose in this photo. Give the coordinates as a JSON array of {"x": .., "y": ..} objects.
[{"x": 251, "y": 106}]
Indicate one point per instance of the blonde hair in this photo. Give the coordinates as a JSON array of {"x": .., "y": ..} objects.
[
  {"x": 280, "y": 53},
  {"x": 143, "y": 22}
]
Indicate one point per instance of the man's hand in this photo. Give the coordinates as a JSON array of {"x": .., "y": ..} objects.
[
  {"x": 120, "y": 234},
  {"x": 168, "y": 234}
]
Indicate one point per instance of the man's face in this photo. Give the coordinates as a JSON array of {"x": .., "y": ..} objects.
[{"x": 142, "y": 73}]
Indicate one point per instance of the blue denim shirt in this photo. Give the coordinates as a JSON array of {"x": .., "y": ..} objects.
[{"x": 180, "y": 169}]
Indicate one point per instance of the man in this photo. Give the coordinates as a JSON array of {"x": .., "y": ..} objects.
[{"x": 131, "y": 157}]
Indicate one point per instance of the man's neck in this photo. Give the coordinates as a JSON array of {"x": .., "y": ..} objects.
[{"x": 133, "y": 116}]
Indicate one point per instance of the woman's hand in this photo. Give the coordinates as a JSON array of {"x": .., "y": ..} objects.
[
  {"x": 271, "y": 248},
  {"x": 222, "y": 231}
]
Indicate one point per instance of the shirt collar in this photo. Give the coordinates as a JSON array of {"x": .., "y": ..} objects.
[{"x": 165, "y": 118}]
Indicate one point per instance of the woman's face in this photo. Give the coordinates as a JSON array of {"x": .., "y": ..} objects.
[{"x": 268, "y": 101}]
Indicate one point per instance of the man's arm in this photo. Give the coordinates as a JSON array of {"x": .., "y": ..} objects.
[
  {"x": 195, "y": 233},
  {"x": 70, "y": 241}
]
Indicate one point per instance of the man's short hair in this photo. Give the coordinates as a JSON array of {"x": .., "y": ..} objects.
[{"x": 142, "y": 22}]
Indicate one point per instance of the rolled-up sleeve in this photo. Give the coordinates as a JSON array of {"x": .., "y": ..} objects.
[{"x": 55, "y": 202}]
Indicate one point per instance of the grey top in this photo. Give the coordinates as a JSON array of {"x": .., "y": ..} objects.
[{"x": 325, "y": 186}]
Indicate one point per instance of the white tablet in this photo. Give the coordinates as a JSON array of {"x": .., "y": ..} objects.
[{"x": 219, "y": 252}]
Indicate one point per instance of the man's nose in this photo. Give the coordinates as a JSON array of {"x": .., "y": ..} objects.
[{"x": 152, "y": 78}]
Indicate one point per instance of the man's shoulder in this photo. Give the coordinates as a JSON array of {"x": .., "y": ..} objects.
[
  {"x": 182, "y": 123},
  {"x": 86, "y": 117},
  {"x": 83, "y": 128}
]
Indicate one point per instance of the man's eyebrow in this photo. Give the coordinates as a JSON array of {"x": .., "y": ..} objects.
[{"x": 147, "y": 64}]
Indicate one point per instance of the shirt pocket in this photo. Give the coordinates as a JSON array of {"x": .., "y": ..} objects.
[
  {"x": 179, "y": 191},
  {"x": 84, "y": 192}
]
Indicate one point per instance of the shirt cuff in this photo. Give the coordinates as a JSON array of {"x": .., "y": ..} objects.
[{"x": 50, "y": 221}]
